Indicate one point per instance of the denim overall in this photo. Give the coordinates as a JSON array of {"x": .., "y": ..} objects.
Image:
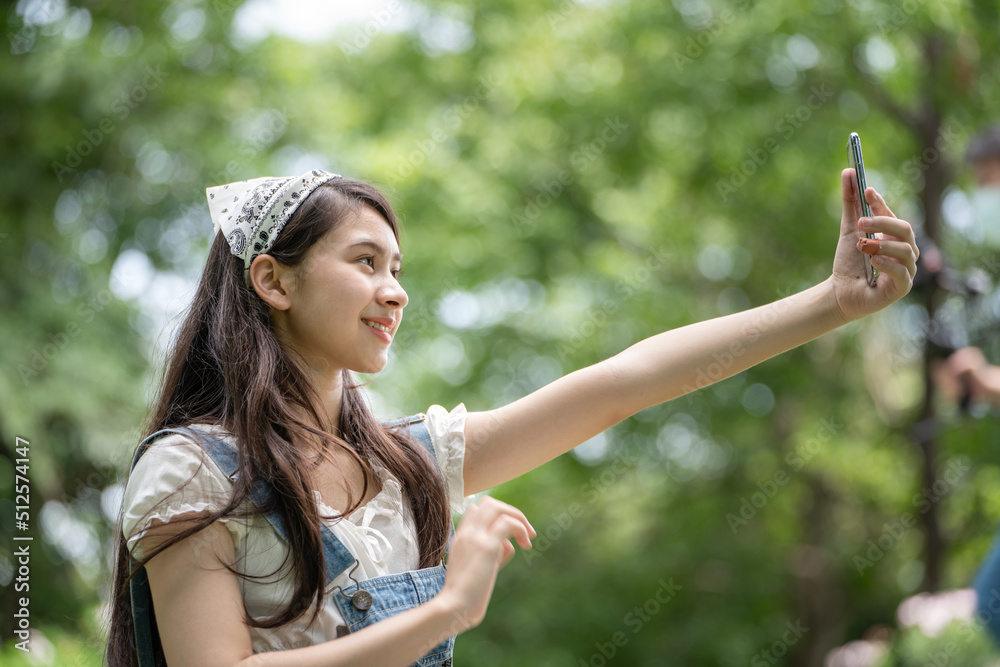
[
  {"x": 360, "y": 604},
  {"x": 987, "y": 585}
]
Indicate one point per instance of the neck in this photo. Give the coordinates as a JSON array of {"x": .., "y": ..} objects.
[
  {"x": 330, "y": 387},
  {"x": 328, "y": 382}
]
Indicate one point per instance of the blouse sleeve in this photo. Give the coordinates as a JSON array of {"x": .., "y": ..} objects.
[
  {"x": 174, "y": 476},
  {"x": 447, "y": 430}
]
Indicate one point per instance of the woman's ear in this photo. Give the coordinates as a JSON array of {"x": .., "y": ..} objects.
[{"x": 271, "y": 280}]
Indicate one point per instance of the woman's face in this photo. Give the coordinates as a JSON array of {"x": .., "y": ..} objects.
[{"x": 346, "y": 300}]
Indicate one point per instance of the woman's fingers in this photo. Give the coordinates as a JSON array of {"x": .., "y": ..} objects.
[
  {"x": 901, "y": 275},
  {"x": 869, "y": 246},
  {"x": 882, "y": 249},
  {"x": 492, "y": 523},
  {"x": 506, "y": 526},
  {"x": 495, "y": 513},
  {"x": 895, "y": 250},
  {"x": 895, "y": 240},
  {"x": 847, "y": 194},
  {"x": 888, "y": 248},
  {"x": 899, "y": 229},
  {"x": 508, "y": 553},
  {"x": 877, "y": 204},
  {"x": 901, "y": 271}
]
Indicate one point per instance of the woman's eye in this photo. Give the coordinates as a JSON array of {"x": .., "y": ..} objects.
[
  {"x": 370, "y": 261},
  {"x": 396, "y": 273}
]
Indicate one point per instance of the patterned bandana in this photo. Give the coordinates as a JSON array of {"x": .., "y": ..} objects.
[{"x": 251, "y": 213}]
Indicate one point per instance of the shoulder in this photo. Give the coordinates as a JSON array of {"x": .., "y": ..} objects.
[
  {"x": 447, "y": 431},
  {"x": 175, "y": 453},
  {"x": 444, "y": 426},
  {"x": 173, "y": 476}
]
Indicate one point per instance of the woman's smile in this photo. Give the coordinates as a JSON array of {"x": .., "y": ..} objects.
[{"x": 381, "y": 327}]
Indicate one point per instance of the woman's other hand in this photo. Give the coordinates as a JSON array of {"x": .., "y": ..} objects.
[{"x": 480, "y": 547}]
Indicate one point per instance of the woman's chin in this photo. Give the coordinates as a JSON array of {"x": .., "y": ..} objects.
[{"x": 371, "y": 368}]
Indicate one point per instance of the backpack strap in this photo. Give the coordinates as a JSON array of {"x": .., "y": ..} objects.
[
  {"x": 337, "y": 557},
  {"x": 140, "y": 596},
  {"x": 142, "y": 610}
]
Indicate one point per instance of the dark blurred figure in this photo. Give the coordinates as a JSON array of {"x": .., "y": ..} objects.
[
  {"x": 966, "y": 373},
  {"x": 967, "y": 370},
  {"x": 984, "y": 155}
]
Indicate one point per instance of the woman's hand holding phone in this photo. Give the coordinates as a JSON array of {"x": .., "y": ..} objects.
[{"x": 896, "y": 258}]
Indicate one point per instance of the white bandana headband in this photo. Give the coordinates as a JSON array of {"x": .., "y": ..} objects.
[{"x": 251, "y": 213}]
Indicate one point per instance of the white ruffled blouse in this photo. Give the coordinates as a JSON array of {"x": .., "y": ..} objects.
[{"x": 176, "y": 476}]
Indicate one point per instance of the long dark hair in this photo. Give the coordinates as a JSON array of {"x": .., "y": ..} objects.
[{"x": 228, "y": 368}]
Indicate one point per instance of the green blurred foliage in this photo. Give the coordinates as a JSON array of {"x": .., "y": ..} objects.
[
  {"x": 957, "y": 645},
  {"x": 572, "y": 178}
]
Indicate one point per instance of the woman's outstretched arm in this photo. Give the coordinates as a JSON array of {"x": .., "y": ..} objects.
[{"x": 516, "y": 438}]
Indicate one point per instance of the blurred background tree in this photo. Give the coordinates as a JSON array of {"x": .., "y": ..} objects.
[{"x": 572, "y": 176}]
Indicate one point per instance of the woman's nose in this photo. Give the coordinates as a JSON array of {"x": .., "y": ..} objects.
[{"x": 393, "y": 294}]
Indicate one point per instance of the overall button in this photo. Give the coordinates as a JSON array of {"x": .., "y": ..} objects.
[{"x": 362, "y": 600}]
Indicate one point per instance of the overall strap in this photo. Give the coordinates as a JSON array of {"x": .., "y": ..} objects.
[
  {"x": 338, "y": 558},
  {"x": 417, "y": 426}
]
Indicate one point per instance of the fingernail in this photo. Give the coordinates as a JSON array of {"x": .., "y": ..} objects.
[{"x": 868, "y": 246}]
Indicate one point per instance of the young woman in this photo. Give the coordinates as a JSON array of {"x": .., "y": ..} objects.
[{"x": 287, "y": 526}]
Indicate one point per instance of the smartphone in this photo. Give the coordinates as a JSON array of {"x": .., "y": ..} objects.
[{"x": 855, "y": 161}]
